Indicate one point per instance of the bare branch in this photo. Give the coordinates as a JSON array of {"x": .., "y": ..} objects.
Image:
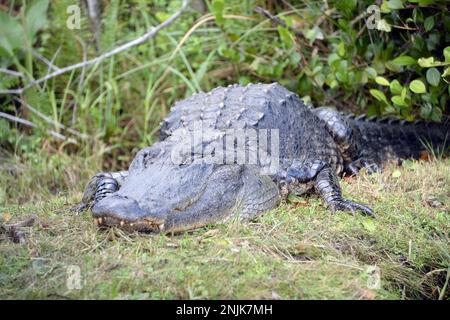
[
  {"x": 12, "y": 73},
  {"x": 49, "y": 64},
  {"x": 49, "y": 120},
  {"x": 151, "y": 33},
  {"x": 276, "y": 20},
  {"x": 33, "y": 125}
]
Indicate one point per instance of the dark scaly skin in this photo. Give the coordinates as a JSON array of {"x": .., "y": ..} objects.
[
  {"x": 371, "y": 142},
  {"x": 316, "y": 146}
]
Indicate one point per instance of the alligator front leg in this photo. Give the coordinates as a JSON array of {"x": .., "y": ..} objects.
[
  {"x": 100, "y": 186},
  {"x": 327, "y": 185}
]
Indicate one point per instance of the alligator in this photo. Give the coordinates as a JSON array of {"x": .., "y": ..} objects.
[{"x": 182, "y": 182}]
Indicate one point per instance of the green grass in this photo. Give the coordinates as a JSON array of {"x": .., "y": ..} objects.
[{"x": 298, "y": 251}]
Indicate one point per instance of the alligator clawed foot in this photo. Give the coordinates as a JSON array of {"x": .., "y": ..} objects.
[
  {"x": 371, "y": 166},
  {"x": 354, "y": 167},
  {"x": 350, "y": 206}
]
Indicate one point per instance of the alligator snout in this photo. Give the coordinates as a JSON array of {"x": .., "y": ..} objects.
[{"x": 118, "y": 210}]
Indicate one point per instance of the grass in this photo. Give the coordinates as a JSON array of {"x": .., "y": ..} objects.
[{"x": 298, "y": 251}]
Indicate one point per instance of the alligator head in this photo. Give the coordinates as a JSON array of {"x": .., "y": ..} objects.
[{"x": 160, "y": 196}]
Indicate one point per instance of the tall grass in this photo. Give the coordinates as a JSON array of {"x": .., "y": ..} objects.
[{"x": 119, "y": 103}]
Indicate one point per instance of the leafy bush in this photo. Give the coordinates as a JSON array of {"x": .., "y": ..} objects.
[
  {"x": 390, "y": 59},
  {"x": 379, "y": 60}
]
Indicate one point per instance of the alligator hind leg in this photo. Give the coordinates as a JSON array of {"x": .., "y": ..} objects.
[
  {"x": 327, "y": 185},
  {"x": 346, "y": 139},
  {"x": 100, "y": 186}
]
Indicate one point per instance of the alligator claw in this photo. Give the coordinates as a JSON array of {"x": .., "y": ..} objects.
[
  {"x": 80, "y": 207},
  {"x": 371, "y": 167},
  {"x": 350, "y": 206}
]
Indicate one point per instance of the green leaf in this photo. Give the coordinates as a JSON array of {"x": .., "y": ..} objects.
[
  {"x": 382, "y": 81},
  {"x": 341, "y": 49},
  {"x": 404, "y": 93},
  {"x": 383, "y": 25},
  {"x": 313, "y": 34},
  {"x": 392, "y": 67},
  {"x": 425, "y": 110},
  {"x": 361, "y": 77},
  {"x": 331, "y": 81},
  {"x": 286, "y": 37},
  {"x": 417, "y": 86},
  {"x": 332, "y": 58},
  {"x": 371, "y": 72},
  {"x": 342, "y": 66},
  {"x": 11, "y": 33},
  {"x": 36, "y": 17},
  {"x": 436, "y": 115},
  {"x": 398, "y": 101},
  {"x": 446, "y": 73},
  {"x": 447, "y": 54},
  {"x": 394, "y": 4},
  {"x": 384, "y": 7},
  {"x": 430, "y": 62},
  {"x": 433, "y": 76},
  {"x": 218, "y": 8},
  {"x": 377, "y": 94},
  {"x": 342, "y": 76},
  {"x": 425, "y": 62},
  {"x": 319, "y": 79},
  {"x": 396, "y": 87},
  {"x": 404, "y": 61},
  {"x": 295, "y": 58},
  {"x": 428, "y": 23},
  {"x": 317, "y": 69}
]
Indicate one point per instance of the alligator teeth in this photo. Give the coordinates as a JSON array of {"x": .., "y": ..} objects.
[{"x": 100, "y": 220}]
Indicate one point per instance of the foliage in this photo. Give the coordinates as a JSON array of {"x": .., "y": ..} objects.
[
  {"x": 336, "y": 53},
  {"x": 17, "y": 36}
]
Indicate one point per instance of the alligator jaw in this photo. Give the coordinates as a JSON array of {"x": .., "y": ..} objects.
[
  {"x": 141, "y": 225},
  {"x": 125, "y": 213}
]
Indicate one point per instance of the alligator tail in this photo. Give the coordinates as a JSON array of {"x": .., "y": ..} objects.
[{"x": 391, "y": 139}]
